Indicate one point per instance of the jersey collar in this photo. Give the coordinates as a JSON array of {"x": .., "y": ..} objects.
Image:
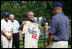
[{"x": 60, "y": 13}]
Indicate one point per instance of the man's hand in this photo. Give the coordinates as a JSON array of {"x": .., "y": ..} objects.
[
  {"x": 39, "y": 26},
  {"x": 47, "y": 46},
  {"x": 20, "y": 38},
  {"x": 9, "y": 37},
  {"x": 23, "y": 22},
  {"x": 20, "y": 34},
  {"x": 50, "y": 37}
]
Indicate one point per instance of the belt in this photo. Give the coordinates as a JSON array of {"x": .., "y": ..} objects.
[{"x": 58, "y": 40}]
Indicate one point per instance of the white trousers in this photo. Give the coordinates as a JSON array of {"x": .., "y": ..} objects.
[
  {"x": 59, "y": 44},
  {"x": 31, "y": 45},
  {"x": 5, "y": 42}
]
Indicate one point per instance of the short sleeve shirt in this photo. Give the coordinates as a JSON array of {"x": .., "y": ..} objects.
[
  {"x": 60, "y": 27},
  {"x": 6, "y": 26}
]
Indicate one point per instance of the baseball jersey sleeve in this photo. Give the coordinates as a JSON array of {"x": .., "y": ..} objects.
[
  {"x": 53, "y": 26},
  {"x": 18, "y": 25},
  {"x": 38, "y": 28},
  {"x": 39, "y": 32},
  {"x": 2, "y": 25},
  {"x": 11, "y": 25},
  {"x": 24, "y": 30}
]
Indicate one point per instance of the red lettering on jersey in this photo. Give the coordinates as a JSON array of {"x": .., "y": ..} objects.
[{"x": 34, "y": 36}]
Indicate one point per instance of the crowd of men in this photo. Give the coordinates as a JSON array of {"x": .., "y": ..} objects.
[{"x": 58, "y": 36}]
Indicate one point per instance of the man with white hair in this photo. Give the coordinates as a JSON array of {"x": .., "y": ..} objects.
[
  {"x": 16, "y": 33},
  {"x": 31, "y": 31}
]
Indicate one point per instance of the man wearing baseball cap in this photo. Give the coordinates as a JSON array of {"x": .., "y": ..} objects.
[
  {"x": 59, "y": 28},
  {"x": 6, "y": 31}
]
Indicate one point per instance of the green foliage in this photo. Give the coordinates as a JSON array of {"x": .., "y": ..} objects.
[{"x": 40, "y": 8}]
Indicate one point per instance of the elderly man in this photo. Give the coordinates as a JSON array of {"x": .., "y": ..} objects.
[
  {"x": 6, "y": 31},
  {"x": 59, "y": 29},
  {"x": 31, "y": 31},
  {"x": 16, "y": 32}
]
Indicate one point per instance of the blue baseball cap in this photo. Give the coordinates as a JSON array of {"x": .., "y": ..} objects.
[
  {"x": 5, "y": 14},
  {"x": 57, "y": 4}
]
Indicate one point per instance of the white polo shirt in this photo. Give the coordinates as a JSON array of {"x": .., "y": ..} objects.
[
  {"x": 32, "y": 32},
  {"x": 15, "y": 26},
  {"x": 6, "y": 26}
]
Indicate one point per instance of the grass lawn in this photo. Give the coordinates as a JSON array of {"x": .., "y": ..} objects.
[
  {"x": 40, "y": 44},
  {"x": 69, "y": 46}
]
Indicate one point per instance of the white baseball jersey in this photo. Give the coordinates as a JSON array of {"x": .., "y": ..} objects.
[
  {"x": 6, "y": 27},
  {"x": 32, "y": 32}
]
